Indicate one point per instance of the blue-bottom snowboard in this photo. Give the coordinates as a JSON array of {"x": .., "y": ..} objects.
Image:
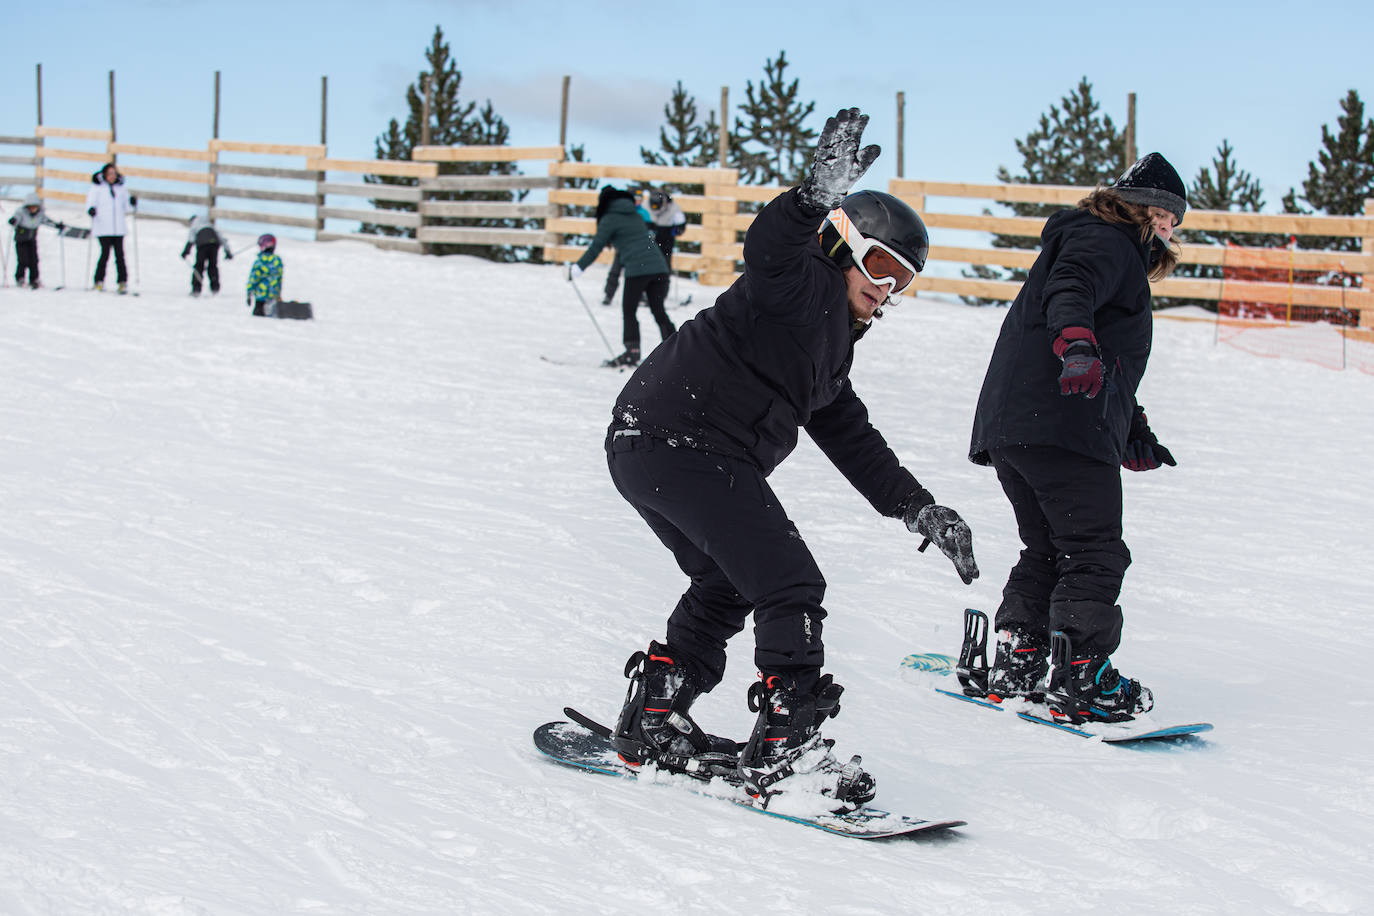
[
  {"x": 1144, "y": 728},
  {"x": 573, "y": 745}
]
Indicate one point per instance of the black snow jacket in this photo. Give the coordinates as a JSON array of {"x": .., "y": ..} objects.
[
  {"x": 769, "y": 358},
  {"x": 1091, "y": 274}
]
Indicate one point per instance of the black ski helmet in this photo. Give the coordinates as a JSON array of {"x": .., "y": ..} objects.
[{"x": 883, "y": 218}]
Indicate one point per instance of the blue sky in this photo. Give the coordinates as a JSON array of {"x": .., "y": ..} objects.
[{"x": 976, "y": 75}]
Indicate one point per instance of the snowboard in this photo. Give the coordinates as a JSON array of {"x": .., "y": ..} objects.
[
  {"x": 574, "y": 745},
  {"x": 975, "y": 652}
]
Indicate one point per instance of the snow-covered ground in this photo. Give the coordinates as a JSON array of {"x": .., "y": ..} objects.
[{"x": 281, "y": 602}]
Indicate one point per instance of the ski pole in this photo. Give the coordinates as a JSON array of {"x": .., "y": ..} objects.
[
  {"x": 609, "y": 348},
  {"x": 133, "y": 222}
]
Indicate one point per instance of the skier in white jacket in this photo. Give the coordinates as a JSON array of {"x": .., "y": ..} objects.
[{"x": 109, "y": 203}]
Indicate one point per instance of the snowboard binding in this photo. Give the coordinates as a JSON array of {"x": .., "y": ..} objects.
[
  {"x": 654, "y": 725},
  {"x": 972, "y": 669}
]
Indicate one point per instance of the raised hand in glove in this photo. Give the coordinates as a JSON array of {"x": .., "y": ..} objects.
[
  {"x": 950, "y": 533},
  {"x": 574, "y": 272},
  {"x": 838, "y": 162},
  {"x": 1082, "y": 372},
  {"x": 1143, "y": 451}
]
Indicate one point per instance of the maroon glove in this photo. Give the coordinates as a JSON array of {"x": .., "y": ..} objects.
[
  {"x": 1143, "y": 451},
  {"x": 1082, "y": 372}
]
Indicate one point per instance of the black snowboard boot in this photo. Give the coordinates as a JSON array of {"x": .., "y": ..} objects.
[
  {"x": 1018, "y": 668},
  {"x": 629, "y": 358},
  {"x": 786, "y": 753},
  {"x": 654, "y": 725},
  {"x": 1086, "y": 688}
]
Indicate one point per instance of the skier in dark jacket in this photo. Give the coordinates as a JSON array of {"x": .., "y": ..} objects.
[
  {"x": 619, "y": 224},
  {"x": 205, "y": 239},
  {"x": 26, "y": 222},
  {"x": 704, "y": 421},
  {"x": 1057, "y": 419}
]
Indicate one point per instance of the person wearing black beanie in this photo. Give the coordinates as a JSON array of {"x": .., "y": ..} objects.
[{"x": 1057, "y": 419}]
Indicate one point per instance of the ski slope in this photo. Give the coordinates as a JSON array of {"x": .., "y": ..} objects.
[{"x": 281, "y": 603}]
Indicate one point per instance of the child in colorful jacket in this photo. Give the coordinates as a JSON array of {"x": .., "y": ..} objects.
[
  {"x": 26, "y": 223},
  {"x": 264, "y": 280}
]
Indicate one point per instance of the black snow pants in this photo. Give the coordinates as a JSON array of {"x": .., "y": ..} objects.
[
  {"x": 110, "y": 243},
  {"x": 656, "y": 286},
  {"x": 743, "y": 555},
  {"x": 1068, "y": 514},
  {"x": 667, "y": 241},
  {"x": 26, "y": 260},
  {"x": 207, "y": 266}
]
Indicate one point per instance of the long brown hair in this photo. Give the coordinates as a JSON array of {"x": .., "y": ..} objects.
[{"x": 1106, "y": 204}]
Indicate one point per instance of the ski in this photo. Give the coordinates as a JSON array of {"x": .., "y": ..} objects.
[
  {"x": 604, "y": 364},
  {"x": 972, "y": 664},
  {"x": 585, "y": 744}
]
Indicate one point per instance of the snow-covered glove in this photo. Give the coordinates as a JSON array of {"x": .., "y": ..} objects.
[
  {"x": 1143, "y": 451},
  {"x": 573, "y": 272},
  {"x": 950, "y": 533},
  {"x": 838, "y": 162},
  {"x": 1082, "y": 372}
]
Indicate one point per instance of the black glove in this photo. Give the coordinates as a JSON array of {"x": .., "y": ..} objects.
[
  {"x": 61, "y": 226},
  {"x": 949, "y": 532},
  {"x": 228, "y": 255},
  {"x": 1143, "y": 451},
  {"x": 187, "y": 250},
  {"x": 838, "y": 162},
  {"x": 1082, "y": 372},
  {"x": 90, "y": 211},
  {"x": 133, "y": 201}
]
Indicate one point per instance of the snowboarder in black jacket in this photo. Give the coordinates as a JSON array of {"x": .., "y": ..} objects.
[
  {"x": 1057, "y": 419},
  {"x": 700, "y": 426}
]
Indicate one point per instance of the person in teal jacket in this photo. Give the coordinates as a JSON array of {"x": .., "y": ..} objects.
[
  {"x": 619, "y": 224},
  {"x": 264, "y": 280}
]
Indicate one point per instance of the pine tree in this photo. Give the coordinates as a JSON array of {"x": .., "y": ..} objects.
[
  {"x": 452, "y": 122},
  {"x": 1222, "y": 186},
  {"x": 1072, "y": 144},
  {"x": 1338, "y": 183},
  {"x": 679, "y": 139},
  {"x": 770, "y": 145}
]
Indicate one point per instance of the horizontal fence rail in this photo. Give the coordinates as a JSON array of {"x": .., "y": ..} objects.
[{"x": 410, "y": 205}]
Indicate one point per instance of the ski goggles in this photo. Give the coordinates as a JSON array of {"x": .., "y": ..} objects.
[{"x": 876, "y": 261}]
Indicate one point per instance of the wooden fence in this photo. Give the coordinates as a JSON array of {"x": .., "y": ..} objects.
[
  {"x": 216, "y": 177},
  {"x": 918, "y": 194}
]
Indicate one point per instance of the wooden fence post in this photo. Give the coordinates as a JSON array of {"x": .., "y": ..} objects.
[
  {"x": 717, "y": 231},
  {"x": 1367, "y": 249},
  {"x": 723, "y": 140},
  {"x": 320, "y": 176},
  {"x": 38, "y": 150},
  {"x": 901, "y": 131},
  {"x": 1130, "y": 131},
  {"x": 213, "y": 166},
  {"x": 113, "y": 136}
]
